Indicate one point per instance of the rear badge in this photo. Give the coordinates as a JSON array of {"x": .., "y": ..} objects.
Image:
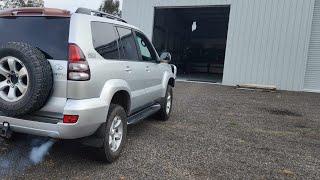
[
  {"x": 58, "y": 67},
  {"x": 59, "y": 70}
]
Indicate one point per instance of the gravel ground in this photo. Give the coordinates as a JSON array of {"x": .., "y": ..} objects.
[{"x": 215, "y": 132}]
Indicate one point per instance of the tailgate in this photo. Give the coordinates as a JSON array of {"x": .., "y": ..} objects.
[
  {"x": 51, "y": 36},
  {"x": 55, "y": 106}
]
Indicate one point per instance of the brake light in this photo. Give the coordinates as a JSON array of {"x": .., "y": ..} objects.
[
  {"x": 78, "y": 68},
  {"x": 75, "y": 53},
  {"x": 70, "y": 119}
]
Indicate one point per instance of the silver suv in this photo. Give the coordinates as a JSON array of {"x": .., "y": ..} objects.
[{"x": 85, "y": 75}]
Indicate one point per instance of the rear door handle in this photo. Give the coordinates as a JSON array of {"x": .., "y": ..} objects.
[
  {"x": 128, "y": 69},
  {"x": 148, "y": 69}
]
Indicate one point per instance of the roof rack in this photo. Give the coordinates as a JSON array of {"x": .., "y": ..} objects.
[{"x": 99, "y": 13}]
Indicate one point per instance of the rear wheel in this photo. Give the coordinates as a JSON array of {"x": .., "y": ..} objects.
[{"x": 115, "y": 134}]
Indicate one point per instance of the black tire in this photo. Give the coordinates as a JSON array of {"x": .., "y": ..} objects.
[
  {"x": 105, "y": 152},
  {"x": 163, "y": 115},
  {"x": 40, "y": 79}
]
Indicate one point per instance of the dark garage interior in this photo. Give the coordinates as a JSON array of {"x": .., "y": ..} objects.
[{"x": 196, "y": 38}]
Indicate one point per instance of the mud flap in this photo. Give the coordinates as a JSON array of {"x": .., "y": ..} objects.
[{"x": 93, "y": 141}]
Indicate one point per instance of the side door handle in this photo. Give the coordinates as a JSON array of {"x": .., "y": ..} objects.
[
  {"x": 148, "y": 69},
  {"x": 128, "y": 69}
]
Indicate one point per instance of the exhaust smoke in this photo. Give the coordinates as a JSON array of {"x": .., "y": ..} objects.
[
  {"x": 25, "y": 153},
  {"x": 38, "y": 153}
]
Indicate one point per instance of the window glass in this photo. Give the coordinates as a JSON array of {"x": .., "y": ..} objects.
[
  {"x": 105, "y": 40},
  {"x": 145, "y": 48},
  {"x": 49, "y": 34},
  {"x": 128, "y": 48}
]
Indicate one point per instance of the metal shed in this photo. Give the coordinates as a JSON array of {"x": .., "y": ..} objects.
[{"x": 268, "y": 42}]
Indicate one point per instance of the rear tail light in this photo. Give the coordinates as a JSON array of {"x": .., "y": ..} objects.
[
  {"x": 70, "y": 119},
  {"x": 78, "y": 68}
]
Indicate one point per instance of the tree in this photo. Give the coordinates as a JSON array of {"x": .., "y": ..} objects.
[
  {"x": 4, "y": 4},
  {"x": 1, "y": 5},
  {"x": 111, "y": 7},
  {"x": 34, "y": 3},
  {"x": 12, "y": 4}
]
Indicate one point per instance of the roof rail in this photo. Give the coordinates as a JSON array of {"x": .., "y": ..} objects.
[{"x": 99, "y": 13}]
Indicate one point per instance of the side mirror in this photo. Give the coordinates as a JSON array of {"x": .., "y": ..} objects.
[{"x": 165, "y": 57}]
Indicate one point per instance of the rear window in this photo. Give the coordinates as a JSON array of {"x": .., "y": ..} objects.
[
  {"x": 105, "y": 40},
  {"x": 128, "y": 46},
  {"x": 49, "y": 34}
]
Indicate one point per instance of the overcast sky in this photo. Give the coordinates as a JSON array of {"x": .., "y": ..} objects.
[{"x": 72, "y": 5}]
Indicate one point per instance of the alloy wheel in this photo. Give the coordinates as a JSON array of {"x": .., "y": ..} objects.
[
  {"x": 169, "y": 102},
  {"x": 115, "y": 134},
  {"x": 14, "y": 79}
]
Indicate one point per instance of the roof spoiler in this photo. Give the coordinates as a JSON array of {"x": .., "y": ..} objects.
[
  {"x": 35, "y": 12},
  {"x": 99, "y": 13}
]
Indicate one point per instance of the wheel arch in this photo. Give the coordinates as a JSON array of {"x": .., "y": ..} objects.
[
  {"x": 168, "y": 79},
  {"x": 118, "y": 92},
  {"x": 172, "y": 82},
  {"x": 123, "y": 99}
]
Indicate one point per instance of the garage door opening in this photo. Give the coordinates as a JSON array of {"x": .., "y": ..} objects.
[{"x": 196, "y": 38}]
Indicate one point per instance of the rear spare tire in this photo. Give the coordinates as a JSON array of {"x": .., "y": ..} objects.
[{"x": 26, "y": 79}]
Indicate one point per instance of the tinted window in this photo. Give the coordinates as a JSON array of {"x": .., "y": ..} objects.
[
  {"x": 145, "y": 47},
  {"x": 128, "y": 48},
  {"x": 51, "y": 35},
  {"x": 105, "y": 40}
]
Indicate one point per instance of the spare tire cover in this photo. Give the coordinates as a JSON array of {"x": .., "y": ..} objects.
[{"x": 26, "y": 79}]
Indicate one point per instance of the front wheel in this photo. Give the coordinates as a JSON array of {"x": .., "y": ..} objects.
[
  {"x": 166, "y": 105},
  {"x": 115, "y": 133}
]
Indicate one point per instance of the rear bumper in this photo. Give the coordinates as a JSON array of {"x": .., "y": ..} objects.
[{"x": 92, "y": 113}]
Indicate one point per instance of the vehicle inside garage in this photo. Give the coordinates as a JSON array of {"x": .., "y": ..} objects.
[{"x": 196, "y": 38}]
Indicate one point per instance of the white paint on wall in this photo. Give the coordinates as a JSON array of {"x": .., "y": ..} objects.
[{"x": 194, "y": 26}]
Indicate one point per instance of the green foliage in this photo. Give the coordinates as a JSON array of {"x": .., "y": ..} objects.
[
  {"x": 34, "y": 3},
  {"x": 111, "y": 7},
  {"x": 4, "y": 4}
]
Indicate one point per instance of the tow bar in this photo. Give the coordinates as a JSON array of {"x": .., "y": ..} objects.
[{"x": 5, "y": 130}]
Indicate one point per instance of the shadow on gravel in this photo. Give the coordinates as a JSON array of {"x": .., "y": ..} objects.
[{"x": 281, "y": 112}]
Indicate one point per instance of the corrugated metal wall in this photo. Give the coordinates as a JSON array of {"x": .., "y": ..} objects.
[
  {"x": 267, "y": 40},
  {"x": 312, "y": 79}
]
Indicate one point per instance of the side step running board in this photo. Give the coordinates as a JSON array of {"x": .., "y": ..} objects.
[{"x": 143, "y": 114}]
